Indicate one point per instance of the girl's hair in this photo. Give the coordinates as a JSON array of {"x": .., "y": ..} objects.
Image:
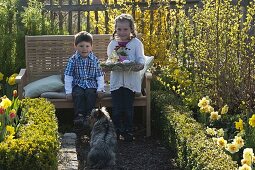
[{"x": 122, "y": 18}]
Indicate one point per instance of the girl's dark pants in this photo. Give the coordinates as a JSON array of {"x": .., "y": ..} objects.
[{"x": 122, "y": 101}]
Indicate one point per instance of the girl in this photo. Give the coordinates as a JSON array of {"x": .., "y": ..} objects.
[{"x": 124, "y": 85}]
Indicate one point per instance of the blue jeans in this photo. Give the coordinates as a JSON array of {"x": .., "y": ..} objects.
[
  {"x": 84, "y": 100},
  {"x": 122, "y": 101}
]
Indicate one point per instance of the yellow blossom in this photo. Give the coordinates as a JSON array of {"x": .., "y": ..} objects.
[
  {"x": 248, "y": 153},
  {"x": 206, "y": 109},
  {"x": 232, "y": 148},
  {"x": 215, "y": 116},
  {"x": 203, "y": 102},
  {"x": 211, "y": 131},
  {"x": 224, "y": 110},
  {"x": 221, "y": 142},
  {"x": 1, "y": 76},
  {"x": 5, "y": 102},
  {"x": 245, "y": 167},
  {"x": 10, "y": 132},
  {"x": 239, "y": 124},
  {"x": 11, "y": 80},
  {"x": 246, "y": 161},
  {"x": 239, "y": 141},
  {"x": 220, "y": 132},
  {"x": 252, "y": 120}
]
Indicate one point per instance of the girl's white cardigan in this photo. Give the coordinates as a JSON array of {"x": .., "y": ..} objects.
[{"x": 128, "y": 79}]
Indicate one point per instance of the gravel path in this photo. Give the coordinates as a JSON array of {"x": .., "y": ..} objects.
[{"x": 142, "y": 153}]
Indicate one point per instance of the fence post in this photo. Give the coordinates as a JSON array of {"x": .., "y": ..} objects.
[{"x": 20, "y": 40}]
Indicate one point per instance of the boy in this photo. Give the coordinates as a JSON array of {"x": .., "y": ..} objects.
[{"x": 84, "y": 79}]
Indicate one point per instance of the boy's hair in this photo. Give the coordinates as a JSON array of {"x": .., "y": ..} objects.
[
  {"x": 83, "y": 36},
  {"x": 128, "y": 18}
]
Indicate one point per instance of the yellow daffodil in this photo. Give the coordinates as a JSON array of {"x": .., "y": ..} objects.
[
  {"x": 232, "y": 148},
  {"x": 10, "y": 129},
  {"x": 203, "y": 102},
  {"x": 246, "y": 161},
  {"x": 224, "y": 110},
  {"x": 211, "y": 131},
  {"x": 1, "y": 76},
  {"x": 220, "y": 132},
  {"x": 5, "y": 102},
  {"x": 239, "y": 141},
  {"x": 221, "y": 142},
  {"x": 11, "y": 80},
  {"x": 206, "y": 109},
  {"x": 252, "y": 120},
  {"x": 214, "y": 116},
  {"x": 245, "y": 167},
  {"x": 248, "y": 153},
  {"x": 239, "y": 124},
  {"x": 10, "y": 132}
]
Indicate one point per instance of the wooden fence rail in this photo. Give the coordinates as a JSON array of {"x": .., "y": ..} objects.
[{"x": 70, "y": 14}]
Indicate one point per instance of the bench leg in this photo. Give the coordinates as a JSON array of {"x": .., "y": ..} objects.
[{"x": 148, "y": 119}]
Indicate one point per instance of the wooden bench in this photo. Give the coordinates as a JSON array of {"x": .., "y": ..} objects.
[{"x": 48, "y": 55}]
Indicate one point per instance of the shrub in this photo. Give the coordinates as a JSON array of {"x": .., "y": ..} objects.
[
  {"x": 186, "y": 137},
  {"x": 37, "y": 143}
]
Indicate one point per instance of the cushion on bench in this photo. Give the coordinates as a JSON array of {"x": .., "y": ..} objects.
[
  {"x": 62, "y": 94},
  {"x": 48, "y": 84},
  {"x": 148, "y": 63}
]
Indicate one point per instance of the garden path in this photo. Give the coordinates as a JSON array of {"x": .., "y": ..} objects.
[{"x": 144, "y": 153}]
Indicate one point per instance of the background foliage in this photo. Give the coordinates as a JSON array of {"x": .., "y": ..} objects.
[{"x": 202, "y": 51}]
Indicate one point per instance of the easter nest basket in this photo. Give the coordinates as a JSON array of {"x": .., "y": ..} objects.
[{"x": 119, "y": 66}]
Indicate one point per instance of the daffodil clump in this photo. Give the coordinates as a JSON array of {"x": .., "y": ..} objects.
[
  {"x": 7, "y": 85},
  {"x": 206, "y": 108},
  {"x": 8, "y": 117},
  {"x": 245, "y": 137},
  {"x": 248, "y": 160}
]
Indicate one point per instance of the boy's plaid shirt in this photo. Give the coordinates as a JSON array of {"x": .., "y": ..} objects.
[{"x": 84, "y": 70}]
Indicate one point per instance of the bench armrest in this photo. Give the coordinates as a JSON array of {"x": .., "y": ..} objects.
[
  {"x": 21, "y": 80},
  {"x": 148, "y": 77}
]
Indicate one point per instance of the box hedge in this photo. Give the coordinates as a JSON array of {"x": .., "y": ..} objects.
[
  {"x": 186, "y": 137},
  {"x": 37, "y": 143}
]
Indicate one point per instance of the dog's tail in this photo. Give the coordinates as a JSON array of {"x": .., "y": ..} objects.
[{"x": 100, "y": 157}]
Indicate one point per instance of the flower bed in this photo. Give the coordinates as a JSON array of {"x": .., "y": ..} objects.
[
  {"x": 36, "y": 144},
  {"x": 186, "y": 137}
]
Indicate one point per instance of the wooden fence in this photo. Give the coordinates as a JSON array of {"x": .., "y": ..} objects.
[{"x": 70, "y": 14}]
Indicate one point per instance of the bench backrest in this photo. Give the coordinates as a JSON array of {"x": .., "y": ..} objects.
[{"x": 48, "y": 54}]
